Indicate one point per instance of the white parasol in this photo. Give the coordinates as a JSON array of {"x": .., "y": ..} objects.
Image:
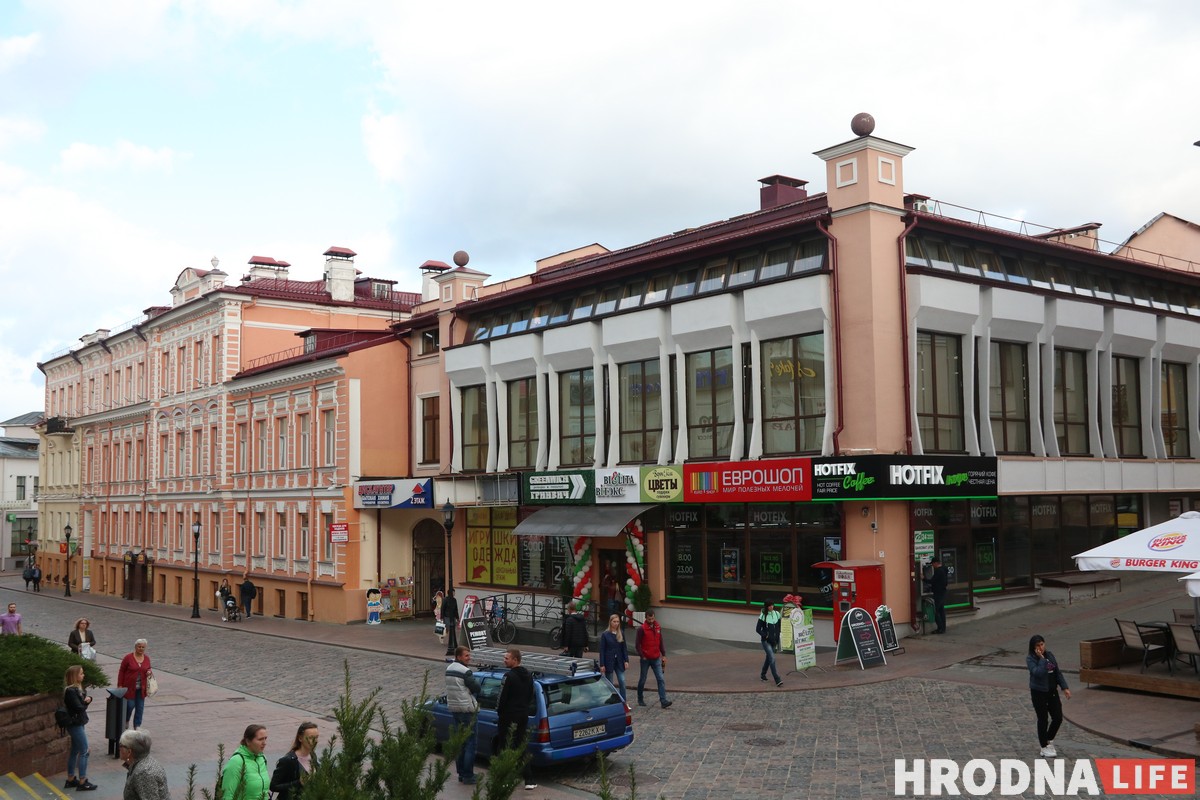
[
  {"x": 1172, "y": 546},
  {"x": 1192, "y": 582}
]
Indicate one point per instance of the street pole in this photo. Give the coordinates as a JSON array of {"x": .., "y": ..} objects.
[
  {"x": 196, "y": 569},
  {"x": 448, "y": 523},
  {"x": 67, "y": 531}
]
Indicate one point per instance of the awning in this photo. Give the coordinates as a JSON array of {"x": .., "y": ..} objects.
[{"x": 607, "y": 520}]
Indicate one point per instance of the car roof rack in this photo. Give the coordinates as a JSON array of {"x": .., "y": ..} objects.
[{"x": 544, "y": 663}]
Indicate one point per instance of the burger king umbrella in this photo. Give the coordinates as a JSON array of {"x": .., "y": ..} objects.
[{"x": 1192, "y": 582}]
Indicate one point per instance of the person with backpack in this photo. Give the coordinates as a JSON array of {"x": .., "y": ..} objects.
[
  {"x": 76, "y": 702},
  {"x": 293, "y": 769},
  {"x": 246, "y": 775},
  {"x": 248, "y": 592},
  {"x": 27, "y": 574}
]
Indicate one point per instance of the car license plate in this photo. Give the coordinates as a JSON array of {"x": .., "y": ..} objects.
[{"x": 589, "y": 732}]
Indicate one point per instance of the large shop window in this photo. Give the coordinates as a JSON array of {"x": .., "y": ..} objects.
[
  {"x": 577, "y": 417},
  {"x": 1008, "y": 395},
  {"x": 793, "y": 394},
  {"x": 641, "y": 411},
  {"x": 939, "y": 392},
  {"x": 1071, "y": 402},
  {"x": 474, "y": 427},
  {"x": 1175, "y": 432},
  {"x": 491, "y": 546},
  {"x": 710, "y": 412},
  {"x": 739, "y": 554},
  {"x": 522, "y": 423},
  {"x": 1127, "y": 406}
]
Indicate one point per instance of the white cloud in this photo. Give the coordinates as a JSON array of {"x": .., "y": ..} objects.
[
  {"x": 19, "y": 129},
  {"x": 16, "y": 49},
  {"x": 83, "y": 157},
  {"x": 384, "y": 138}
]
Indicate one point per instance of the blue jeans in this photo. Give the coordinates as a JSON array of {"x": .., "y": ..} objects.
[
  {"x": 465, "y": 763},
  {"x": 769, "y": 661},
  {"x": 134, "y": 706},
  {"x": 656, "y": 665},
  {"x": 77, "y": 761},
  {"x": 619, "y": 674}
]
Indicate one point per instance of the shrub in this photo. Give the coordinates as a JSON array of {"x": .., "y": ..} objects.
[{"x": 32, "y": 665}]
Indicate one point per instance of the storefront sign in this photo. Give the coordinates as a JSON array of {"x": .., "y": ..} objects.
[
  {"x": 922, "y": 544},
  {"x": 887, "y": 629},
  {"x": 730, "y": 565},
  {"x": 859, "y": 639},
  {"x": 403, "y": 493},
  {"x": 767, "y": 481},
  {"x": 804, "y": 638},
  {"x": 339, "y": 532},
  {"x": 662, "y": 485},
  {"x": 618, "y": 485},
  {"x": 569, "y": 487},
  {"x": 900, "y": 477}
]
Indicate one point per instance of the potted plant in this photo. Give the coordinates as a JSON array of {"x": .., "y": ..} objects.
[{"x": 641, "y": 602}]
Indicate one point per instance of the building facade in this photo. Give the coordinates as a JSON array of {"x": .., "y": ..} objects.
[{"x": 19, "y": 489}]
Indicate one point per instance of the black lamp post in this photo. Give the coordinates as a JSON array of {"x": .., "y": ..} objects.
[
  {"x": 67, "y": 530},
  {"x": 448, "y": 522},
  {"x": 196, "y": 569}
]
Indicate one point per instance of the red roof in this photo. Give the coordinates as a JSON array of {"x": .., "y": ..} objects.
[
  {"x": 343, "y": 252},
  {"x": 263, "y": 261}
]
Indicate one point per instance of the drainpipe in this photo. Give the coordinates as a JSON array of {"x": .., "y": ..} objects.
[
  {"x": 315, "y": 526},
  {"x": 837, "y": 333},
  {"x": 914, "y": 608}
]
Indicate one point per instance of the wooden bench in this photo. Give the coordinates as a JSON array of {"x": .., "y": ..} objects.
[
  {"x": 1072, "y": 586},
  {"x": 1100, "y": 662}
]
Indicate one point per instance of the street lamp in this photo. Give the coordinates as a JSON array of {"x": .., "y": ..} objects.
[
  {"x": 67, "y": 530},
  {"x": 196, "y": 569},
  {"x": 448, "y": 522}
]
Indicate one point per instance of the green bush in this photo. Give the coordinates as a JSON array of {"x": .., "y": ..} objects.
[{"x": 32, "y": 665}]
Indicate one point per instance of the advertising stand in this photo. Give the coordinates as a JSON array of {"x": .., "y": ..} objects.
[{"x": 860, "y": 640}]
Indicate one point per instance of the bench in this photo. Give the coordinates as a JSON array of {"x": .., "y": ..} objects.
[{"x": 1072, "y": 586}]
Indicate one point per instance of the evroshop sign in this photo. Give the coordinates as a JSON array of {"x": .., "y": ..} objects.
[
  {"x": 767, "y": 481},
  {"x": 901, "y": 477}
]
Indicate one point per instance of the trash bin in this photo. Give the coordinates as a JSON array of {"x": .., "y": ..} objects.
[{"x": 114, "y": 720}]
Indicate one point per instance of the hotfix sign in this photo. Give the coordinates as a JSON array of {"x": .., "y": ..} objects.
[
  {"x": 401, "y": 493},
  {"x": 662, "y": 484},
  {"x": 618, "y": 485},
  {"x": 903, "y": 477},
  {"x": 573, "y": 487},
  {"x": 776, "y": 480}
]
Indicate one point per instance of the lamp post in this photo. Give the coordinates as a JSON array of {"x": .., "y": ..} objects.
[
  {"x": 448, "y": 522},
  {"x": 196, "y": 569},
  {"x": 67, "y": 530}
]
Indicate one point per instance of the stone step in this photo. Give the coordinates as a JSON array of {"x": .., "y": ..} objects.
[{"x": 29, "y": 787}]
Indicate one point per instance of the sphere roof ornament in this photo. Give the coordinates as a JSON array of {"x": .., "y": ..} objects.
[
  {"x": 461, "y": 258},
  {"x": 863, "y": 124}
]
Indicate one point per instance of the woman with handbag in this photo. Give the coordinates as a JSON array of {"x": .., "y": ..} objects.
[
  {"x": 76, "y": 701},
  {"x": 81, "y": 635},
  {"x": 293, "y": 769},
  {"x": 134, "y": 676}
]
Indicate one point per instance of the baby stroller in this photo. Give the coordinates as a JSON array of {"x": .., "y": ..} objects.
[{"x": 233, "y": 612}]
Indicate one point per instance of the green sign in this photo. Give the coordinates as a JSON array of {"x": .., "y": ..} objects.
[
  {"x": 770, "y": 568},
  {"x": 922, "y": 544},
  {"x": 564, "y": 487},
  {"x": 804, "y": 638}
]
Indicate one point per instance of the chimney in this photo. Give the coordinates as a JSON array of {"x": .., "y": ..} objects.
[
  {"x": 429, "y": 287},
  {"x": 778, "y": 190},
  {"x": 340, "y": 273},
  {"x": 266, "y": 267},
  {"x": 91, "y": 338}
]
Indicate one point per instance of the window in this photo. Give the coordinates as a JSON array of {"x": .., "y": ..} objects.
[
  {"x": 713, "y": 279},
  {"x": 685, "y": 284},
  {"x": 776, "y": 264},
  {"x": 810, "y": 257},
  {"x": 213, "y": 453},
  {"x": 20, "y": 487},
  {"x": 217, "y": 373},
  {"x": 430, "y": 427},
  {"x": 431, "y": 341},
  {"x": 281, "y": 443},
  {"x": 1070, "y": 401},
  {"x": 474, "y": 427},
  {"x": 164, "y": 456},
  {"x": 281, "y": 536},
  {"x": 241, "y": 523},
  {"x": 633, "y": 295},
  {"x": 577, "y": 417},
  {"x": 641, "y": 411},
  {"x": 656, "y": 289},
  {"x": 607, "y": 302},
  {"x": 793, "y": 394},
  {"x": 744, "y": 269},
  {"x": 181, "y": 384},
  {"x": 939, "y": 392},
  {"x": 302, "y": 545},
  {"x": 710, "y": 413},
  {"x": 1176, "y": 435},
  {"x": 522, "y": 423},
  {"x": 260, "y": 533},
  {"x": 181, "y": 465},
  {"x": 1008, "y": 392},
  {"x": 1127, "y": 406},
  {"x": 242, "y": 434},
  {"x": 260, "y": 444},
  {"x": 302, "y": 438},
  {"x": 329, "y": 430},
  {"x": 326, "y": 525},
  {"x": 582, "y": 307}
]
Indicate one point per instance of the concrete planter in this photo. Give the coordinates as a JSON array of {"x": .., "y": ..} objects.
[{"x": 29, "y": 740}]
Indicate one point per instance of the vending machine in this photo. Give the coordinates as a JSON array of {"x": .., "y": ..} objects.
[{"x": 856, "y": 584}]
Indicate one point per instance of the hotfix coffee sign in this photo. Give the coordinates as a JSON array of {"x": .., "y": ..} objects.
[
  {"x": 662, "y": 485},
  {"x": 767, "y": 481},
  {"x": 900, "y": 477}
]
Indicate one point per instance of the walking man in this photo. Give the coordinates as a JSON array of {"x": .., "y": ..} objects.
[
  {"x": 248, "y": 592},
  {"x": 574, "y": 632},
  {"x": 462, "y": 692},
  {"x": 653, "y": 654},
  {"x": 37, "y": 578},
  {"x": 937, "y": 587},
  {"x": 10, "y": 623},
  {"x": 512, "y": 709},
  {"x": 450, "y": 618}
]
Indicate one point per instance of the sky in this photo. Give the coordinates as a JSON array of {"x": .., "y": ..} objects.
[{"x": 142, "y": 137}]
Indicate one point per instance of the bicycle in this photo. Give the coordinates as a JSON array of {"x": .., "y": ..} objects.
[{"x": 502, "y": 628}]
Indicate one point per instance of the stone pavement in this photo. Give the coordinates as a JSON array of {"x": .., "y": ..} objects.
[{"x": 831, "y": 734}]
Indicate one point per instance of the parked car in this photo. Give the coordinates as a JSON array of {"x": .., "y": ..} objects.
[{"x": 577, "y": 711}]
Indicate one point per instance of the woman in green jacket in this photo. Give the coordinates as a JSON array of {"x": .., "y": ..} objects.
[{"x": 246, "y": 776}]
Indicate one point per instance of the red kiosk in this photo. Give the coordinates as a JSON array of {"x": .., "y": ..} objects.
[{"x": 856, "y": 584}]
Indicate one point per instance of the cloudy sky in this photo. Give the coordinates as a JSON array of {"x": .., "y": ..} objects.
[{"x": 140, "y": 137}]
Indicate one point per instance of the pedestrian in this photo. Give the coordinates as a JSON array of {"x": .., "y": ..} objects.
[
  {"x": 147, "y": 780},
  {"x": 653, "y": 655},
  {"x": 938, "y": 581},
  {"x": 80, "y": 635},
  {"x": 574, "y": 632},
  {"x": 292, "y": 770},
  {"x": 10, "y": 623},
  {"x": 246, "y": 776},
  {"x": 450, "y": 620},
  {"x": 132, "y": 676},
  {"x": 1045, "y": 679},
  {"x": 37, "y": 578},
  {"x": 76, "y": 701},
  {"x": 614, "y": 588},
  {"x": 768, "y": 634},
  {"x": 462, "y": 698},
  {"x": 27, "y": 574},
  {"x": 512, "y": 709},
  {"x": 223, "y": 592},
  {"x": 614, "y": 656},
  {"x": 248, "y": 591}
]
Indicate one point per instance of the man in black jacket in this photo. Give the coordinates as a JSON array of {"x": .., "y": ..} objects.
[
  {"x": 937, "y": 587},
  {"x": 248, "y": 592},
  {"x": 450, "y": 618},
  {"x": 574, "y": 632},
  {"x": 513, "y": 708}
]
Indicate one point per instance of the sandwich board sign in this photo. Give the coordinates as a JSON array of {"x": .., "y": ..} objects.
[{"x": 859, "y": 639}]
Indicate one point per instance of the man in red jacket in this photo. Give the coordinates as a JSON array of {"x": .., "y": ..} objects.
[{"x": 653, "y": 654}]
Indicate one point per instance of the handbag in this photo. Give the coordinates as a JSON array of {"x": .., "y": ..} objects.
[
  {"x": 439, "y": 628},
  {"x": 151, "y": 686},
  {"x": 87, "y": 651}
]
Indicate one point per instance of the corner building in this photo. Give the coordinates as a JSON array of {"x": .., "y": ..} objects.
[{"x": 861, "y": 374}]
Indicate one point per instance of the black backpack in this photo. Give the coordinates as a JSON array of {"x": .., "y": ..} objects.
[{"x": 62, "y": 717}]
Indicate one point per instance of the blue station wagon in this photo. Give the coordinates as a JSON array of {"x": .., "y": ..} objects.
[{"x": 576, "y": 712}]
